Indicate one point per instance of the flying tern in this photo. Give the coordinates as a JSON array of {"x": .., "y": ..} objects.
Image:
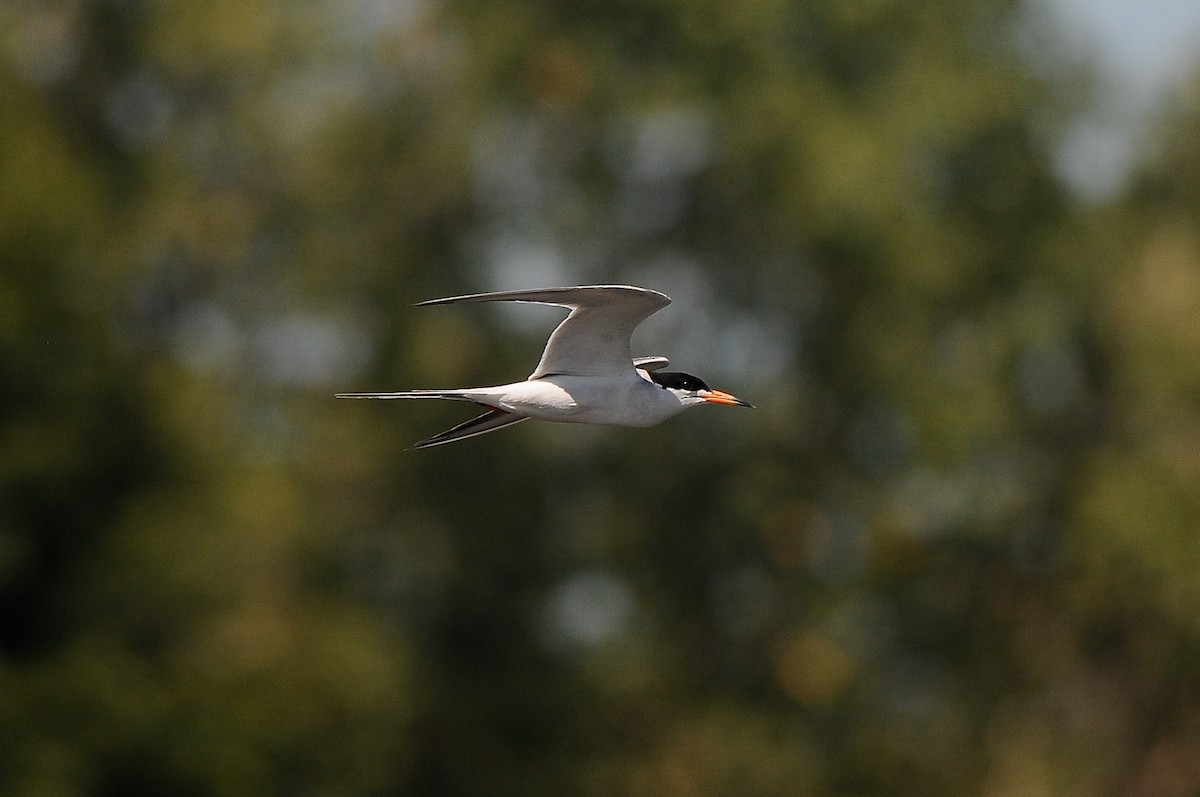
[{"x": 587, "y": 373}]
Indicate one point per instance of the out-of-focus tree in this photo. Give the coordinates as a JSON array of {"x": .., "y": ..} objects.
[
  {"x": 174, "y": 620},
  {"x": 1136, "y": 544},
  {"x": 950, "y": 553}
]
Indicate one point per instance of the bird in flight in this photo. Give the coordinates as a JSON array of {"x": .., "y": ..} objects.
[{"x": 587, "y": 373}]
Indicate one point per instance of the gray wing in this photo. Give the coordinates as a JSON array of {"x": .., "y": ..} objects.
[
  {"x": 490, "y": 421},
  {"x": 594, "y": 339},
  {"x": 651, "y": 363}
]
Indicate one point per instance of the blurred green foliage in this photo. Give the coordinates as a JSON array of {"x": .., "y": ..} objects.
[{"x": 954, "y": 551}]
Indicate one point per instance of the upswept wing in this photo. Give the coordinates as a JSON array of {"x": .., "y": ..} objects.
[{"x": 594, "y": 339}]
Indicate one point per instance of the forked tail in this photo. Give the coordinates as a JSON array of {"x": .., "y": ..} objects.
[
  {"x": 458, "y": 395},
  {"x": 490, "y": 421}
]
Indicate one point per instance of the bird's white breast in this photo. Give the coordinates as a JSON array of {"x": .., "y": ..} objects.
[{"x": 625, "y": 400}]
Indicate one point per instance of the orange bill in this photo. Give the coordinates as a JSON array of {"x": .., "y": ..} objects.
[{"x": 721, "y": 397}]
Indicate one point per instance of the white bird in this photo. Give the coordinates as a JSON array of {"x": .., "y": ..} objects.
[{"x": 587, "y": 373}]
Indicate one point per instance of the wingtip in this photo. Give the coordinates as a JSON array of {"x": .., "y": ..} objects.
[{"x": 541, "y": 295}]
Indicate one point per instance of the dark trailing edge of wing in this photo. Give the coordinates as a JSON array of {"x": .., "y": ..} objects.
[{"x": 490, "y": 421}]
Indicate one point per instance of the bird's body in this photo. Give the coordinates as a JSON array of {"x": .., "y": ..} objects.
[
  {"x": 622, "y": 400},
  {"x": 586, "y": 374}
]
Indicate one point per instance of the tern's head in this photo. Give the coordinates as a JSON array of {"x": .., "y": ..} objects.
[{"x": 691, "y": 390}]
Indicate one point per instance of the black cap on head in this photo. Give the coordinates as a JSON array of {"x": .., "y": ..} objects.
[{"x": 678, "y": 380}]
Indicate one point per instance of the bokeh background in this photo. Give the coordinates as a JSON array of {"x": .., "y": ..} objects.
[{"x": 953, "y": 260}]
